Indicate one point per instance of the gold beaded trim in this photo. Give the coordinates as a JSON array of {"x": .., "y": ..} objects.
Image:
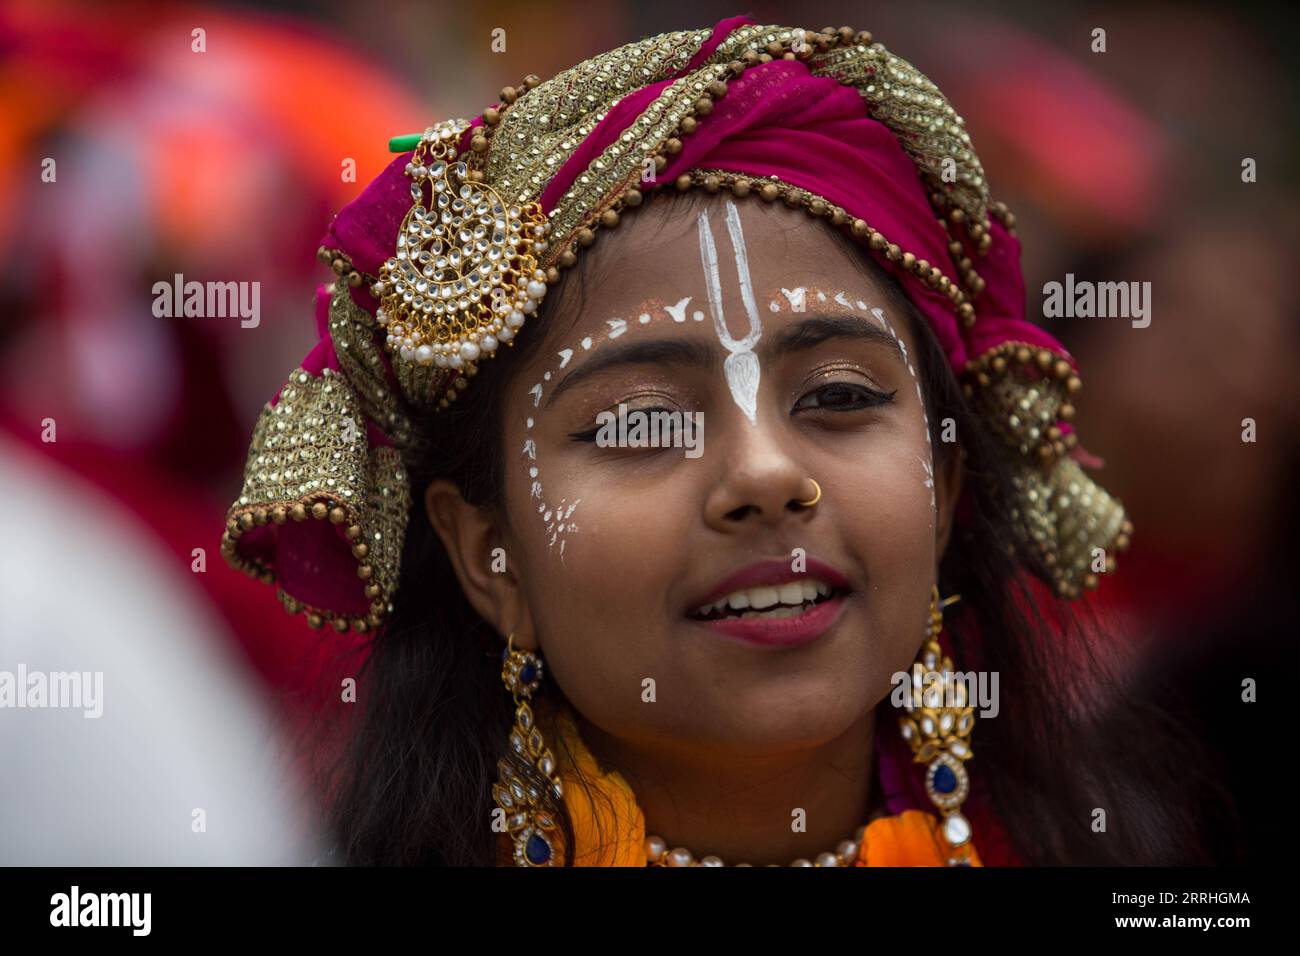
[
  {"x": 1064, "y": 515},
  {"x": 310, "y": 459},
  {"x": 342, "y": 266},
  {"x": 1024, "y": 392},
  {"x": 897, "y": 94},
  {"x": 770, "y": 189}
]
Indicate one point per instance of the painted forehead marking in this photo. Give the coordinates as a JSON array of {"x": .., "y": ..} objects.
[{"x": 557, "y": 518}]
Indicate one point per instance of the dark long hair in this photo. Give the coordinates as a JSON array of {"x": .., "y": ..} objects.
[{"x": 412, "y": 783}]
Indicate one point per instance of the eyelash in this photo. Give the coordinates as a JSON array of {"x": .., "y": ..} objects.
[
  {"x": 869, "y": 397},
  {"x": 590, "y": 434}
]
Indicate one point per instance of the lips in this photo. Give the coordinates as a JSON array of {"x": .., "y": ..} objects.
[
  {"x": 771, "y": 574},
  {"x": 769, "y": 604}
]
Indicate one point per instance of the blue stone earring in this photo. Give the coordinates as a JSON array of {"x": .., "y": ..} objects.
[
  {"x": 937, "y": 726},
  {"x": 530, "y": 823}
]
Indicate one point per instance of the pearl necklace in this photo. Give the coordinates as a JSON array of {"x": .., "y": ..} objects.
[{"x": 657, "y": 852}]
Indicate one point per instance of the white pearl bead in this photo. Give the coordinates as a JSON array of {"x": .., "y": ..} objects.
[
  {"x": 536, "y": 290},
  {"x": 406, "y": 353},
  {"x": 454, "y": 361},
  {"x": 440, "y": 360},
  {"x": 801, "y": 862},
  {"x": 506, "y": 334},
  {"x": 680, "y": 857},
  {"x": 655, "y": 848},
  {"x": 515, "y": 319},
  {"x": 848, "y": 849},
  {"x": 827, "y": 859},
  {"x": 528, "y": 305},
  {"x": 712, "y": 861},
  {"x": 424, "y": 355},
  {"x": 489, "y": 343},
  {"x": 469, "y": 351}
]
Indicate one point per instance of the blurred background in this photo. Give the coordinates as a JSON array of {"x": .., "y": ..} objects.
[{"x": 1123, "y": 165}]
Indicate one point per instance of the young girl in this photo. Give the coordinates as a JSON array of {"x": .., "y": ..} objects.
[{"x": 727, "y": 530}]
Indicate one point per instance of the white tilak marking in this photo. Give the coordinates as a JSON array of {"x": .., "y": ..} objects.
[
  {"x": 741, "y": 368},
  {"x": 532, "y": 472},
  {"x": 697, "y": 315},
  {"x": 530, "y": 448},
  {"x": 843, "y": 300},
  {"x": 586, "y": 343},
  {"x": 862, "y": 305},
  {"x": 774, "y": 306},
  {"x": 530, "y": 422},
  {"x": 547, "y": 376},
  {"x": 565, "y": 355},
  {"x": 678, "y": 311},
  {"x": 536, "y": 392},
  {"x": 795, "y": 297},
  {"x": 821, "y": 296},
  {"x": 644, "y": 318},
  {"x": 616, "y": 327},
  {"x": 926, "y": 466}
]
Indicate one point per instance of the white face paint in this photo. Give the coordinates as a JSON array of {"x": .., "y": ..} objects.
[
  {"x": 927, "y": 467},
  {"x": 557, "y": 519},
  {"x": 741, "y": 367}
]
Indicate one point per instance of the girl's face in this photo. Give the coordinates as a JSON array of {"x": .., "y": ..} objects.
[{"x": 750, "y": 318}]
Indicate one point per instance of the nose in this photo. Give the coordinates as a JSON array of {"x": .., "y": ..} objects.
[{"x": 762, "y": 480}]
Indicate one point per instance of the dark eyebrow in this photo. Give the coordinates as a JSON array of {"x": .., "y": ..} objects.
[
  {"x": 818, "y": 328},
  {"x": 685, "y": 353},
  {"x": 692, "y": 353}
]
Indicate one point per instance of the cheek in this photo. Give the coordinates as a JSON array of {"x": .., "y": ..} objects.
[
  {"x": 889, "y": 522},
  {"x": 596, "y": 587}
]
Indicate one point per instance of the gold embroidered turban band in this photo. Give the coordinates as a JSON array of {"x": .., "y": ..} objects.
[{"x": 445, "y": 256}]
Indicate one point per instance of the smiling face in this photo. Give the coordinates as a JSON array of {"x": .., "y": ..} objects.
[{"x": 801, "y": 366}]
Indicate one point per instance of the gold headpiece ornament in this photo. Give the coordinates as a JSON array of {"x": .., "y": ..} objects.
[{"x": 464, "y": 274}]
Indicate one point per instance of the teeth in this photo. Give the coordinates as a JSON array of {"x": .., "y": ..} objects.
[{"x": 791, "y": 596}]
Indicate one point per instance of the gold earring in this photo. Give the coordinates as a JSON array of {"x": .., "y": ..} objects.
[
  {"x": 938, "y": 726},
  {"x": 815, "y": 498},
  {"x": 529, "y": 815}
]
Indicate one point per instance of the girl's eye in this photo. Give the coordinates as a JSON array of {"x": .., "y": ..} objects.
[
  {"x": 845, "y": 397},
  {"x": 666, "y": 432}
]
